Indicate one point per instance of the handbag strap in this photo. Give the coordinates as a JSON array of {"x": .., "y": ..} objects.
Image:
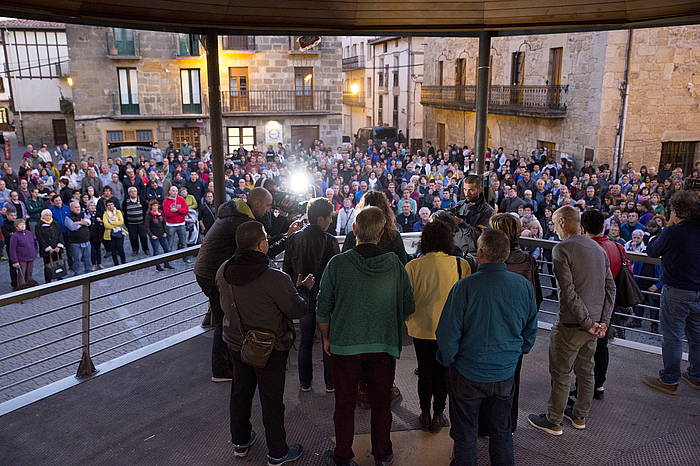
[
  {"x": 623, "y": 256},
  {"x": 459, "y": 268},
  {"x": 235, "y": 311}
]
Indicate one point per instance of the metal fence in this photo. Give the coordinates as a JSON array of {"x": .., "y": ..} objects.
[
  {"x": 276, "y": 101},
  {"x": 52, "y": 330}
]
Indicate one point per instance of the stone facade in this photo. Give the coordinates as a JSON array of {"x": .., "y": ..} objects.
[
  {"x": 663, "y": 61},
  {"x": 37, "y": 128},
  {"x": 269, "y": 66}
]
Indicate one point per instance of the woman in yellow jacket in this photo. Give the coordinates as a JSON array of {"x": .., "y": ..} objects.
[
  {"x": 432, "y": 276},
  {"x": 113, "y": 221}
]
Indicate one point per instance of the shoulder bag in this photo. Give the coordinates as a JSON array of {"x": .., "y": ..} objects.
[
  {"x": 628, "y": 293},
  {"x": 257, "y": 345}
]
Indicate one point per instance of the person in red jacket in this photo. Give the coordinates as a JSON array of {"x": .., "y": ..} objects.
[
  {"x": 174, "y": 210},
  {"x": 592, "y": 222}
]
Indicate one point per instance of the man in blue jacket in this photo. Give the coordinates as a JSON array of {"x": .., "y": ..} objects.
[
  {"x": 480, "y": 337},
  {"x": 679, "y": 249}
]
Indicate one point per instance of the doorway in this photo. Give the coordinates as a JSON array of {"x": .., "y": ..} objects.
[
  {"x": 441, "y": 136},
  {"x": 238, "y": 86},
  {"x": 60, "y": 133},
  {"x": 307, "y": 134},
  {"x": 191, "y": 134}
]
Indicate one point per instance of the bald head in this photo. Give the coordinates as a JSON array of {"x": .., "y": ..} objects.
[
  {"x": 567, "y": 221},
  {"x": 259, "y": 201}
]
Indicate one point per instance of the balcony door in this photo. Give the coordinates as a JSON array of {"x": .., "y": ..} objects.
[
  {"x": 191, "y": 92},
  {"x": 239, "y": 98},
  {"x": 460, "y": 79},
  {"x": 124, "y": 41},
  {"x": 554, "y": 75},
  {"x": 517, "y": 77},
  {"x": 128, "y": 91},
  {"x": 303, "y": 87}
]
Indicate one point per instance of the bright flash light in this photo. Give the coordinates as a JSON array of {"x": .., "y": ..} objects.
[
  {"x": 299, "y": 182},
  {"x": 70, "y": 81},
  {"x": 354, "y": 88},
  {"x": 308, "y": 77}
]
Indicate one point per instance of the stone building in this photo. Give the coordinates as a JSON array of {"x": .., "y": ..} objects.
[
  {"x": 133, "y": 88},
  {"x": 381, "y": 84},
  {"x": 566, "y": 92},
  {"x": 35, "y": 91}
]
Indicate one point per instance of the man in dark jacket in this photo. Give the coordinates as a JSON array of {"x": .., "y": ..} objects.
[
  {"x": 219, "y": 244},
  {"x": 308, "y": 252},
  {"x": 256, "y": 296},
  {"x": 473, "y": 212}
]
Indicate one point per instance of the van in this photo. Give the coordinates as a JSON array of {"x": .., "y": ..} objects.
[{"x": 379, "y": 134}]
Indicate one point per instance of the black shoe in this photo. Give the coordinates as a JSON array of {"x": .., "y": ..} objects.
[
  {"x": 576, "y": 422},
  {"x": 599, "y": 393},
  {"x": 540, "y": 421},
  {"x": 387, "y": 462},
  {"x": 439, "y": 421},
  {"x": 159, "y": 268},
  {"x": 168, "y": 266},
  {"x": 240, "y": 451},
  {"x": 206, "y": 322},
  {"x": 425, "y": 420},
  {"x": 328, "y": 460}
]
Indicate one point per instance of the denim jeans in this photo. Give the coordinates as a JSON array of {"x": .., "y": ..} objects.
[
  {"x": 81, "y": 254},
  {"x": 163, "y": 242},
  {"x": 181, "y": 234},
  {"x": 307, "y": 325},
  {"x": 466, "y": 399},
  {"x": 680, "y": 311}
]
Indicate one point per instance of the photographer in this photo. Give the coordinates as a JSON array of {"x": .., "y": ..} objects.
[
  {"x": 472, "y": 214},
  {"x": 219, "y": 245},
  {"x": 308, "y": 251}
]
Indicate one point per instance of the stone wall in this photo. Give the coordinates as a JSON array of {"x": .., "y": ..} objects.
[
  {"x": 37, "y": 128},
  {"x": 270, "y": 67}
]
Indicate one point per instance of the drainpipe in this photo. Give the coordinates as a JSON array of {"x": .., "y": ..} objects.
[
  {"x": 624, "y": 95},
  {"x": 408, "y": 92}
]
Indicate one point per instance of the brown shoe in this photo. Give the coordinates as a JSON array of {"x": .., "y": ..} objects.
[
  {"x": 689, "y": 381},
  {"x": 654, "y": 382}
]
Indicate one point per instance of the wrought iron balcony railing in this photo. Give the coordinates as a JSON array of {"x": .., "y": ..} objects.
[
  {"x": 354, "y": 63},
  {"x": 535, "y": 101},
  {"x": 356, "y": 100},
  {"x": 274, "y": 102},
  {"x": 156, "y": 104}
]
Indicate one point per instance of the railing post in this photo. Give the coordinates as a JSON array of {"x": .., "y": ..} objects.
[{"x": 86, "y": 367}]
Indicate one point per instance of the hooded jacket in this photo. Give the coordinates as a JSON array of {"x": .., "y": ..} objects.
[
  {"x": 365, "y": 295},
  {"x": 220, "y": 241},
  {"x": 257, "y": 297},
  {"x": 475, "y": 215}
]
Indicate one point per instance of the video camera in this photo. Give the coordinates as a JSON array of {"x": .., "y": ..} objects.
[{"x": 289, "y": 203}]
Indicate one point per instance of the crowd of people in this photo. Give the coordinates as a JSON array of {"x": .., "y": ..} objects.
[{"x": 359, "y": 297}]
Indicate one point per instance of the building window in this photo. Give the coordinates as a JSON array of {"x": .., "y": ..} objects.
[
  {"x": 238, "y": 42},
  {"x": 190, "y": 91},
  {"x": 304, "y": 87},
  {"x": 380, "y": 110},
  {"x": 36, "y": 54},
  {"x": 396, "y": 78},
  {"x": 238, "y": 136},
  {"x": 124, "y": 41},
  {"x": 188, "y": 45},
  {"x": 4, "y": 120},
  {"x": 144, "y": 135},
  {"x": 395, "y": 112},
  {"x": 384, "y": 45},
  {"x": 128, "y": 91},
  {"x": 555, "y": 59},
  {"x": 369, "y": 87},
  {"x": 115, "y": 136},
  {"x": 517, "y": 69},
  {"x": 2, "y": 84},
  {"x": 440, "y": 69},
  {"x": 679, "y": 154},
  {"x": 380, "y": 79}
]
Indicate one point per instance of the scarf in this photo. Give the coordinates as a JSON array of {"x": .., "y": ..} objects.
[{"x": 49, "y": 222}]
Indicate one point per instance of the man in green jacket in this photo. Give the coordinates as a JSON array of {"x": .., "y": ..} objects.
[{"x": 364, "y": 298}]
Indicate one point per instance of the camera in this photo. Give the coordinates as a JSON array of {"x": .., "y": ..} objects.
[{"x": 288, "y": 203}]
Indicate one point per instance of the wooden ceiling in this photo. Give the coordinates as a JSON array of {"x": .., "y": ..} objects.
[{"x": 370, "y": 17}]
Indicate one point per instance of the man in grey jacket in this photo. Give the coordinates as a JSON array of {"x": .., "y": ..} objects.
[
  {"x": 255, "y": 296},
  {"x": 586, "y": 301}
]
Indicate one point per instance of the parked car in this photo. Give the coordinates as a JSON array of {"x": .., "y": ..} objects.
[{"x": 379, "y": 134}]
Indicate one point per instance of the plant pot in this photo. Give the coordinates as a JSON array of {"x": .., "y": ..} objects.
[{"x": 114, "y": 51}]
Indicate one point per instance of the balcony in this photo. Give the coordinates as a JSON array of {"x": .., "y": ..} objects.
[
  {"x": 356, "y": 100},
  {"x": 152, "y": 104},
  {"x": 237, "y": 43},
  {"x": 354, "y": 63},
  {"x": 263, "y": 102},
  {"x": 122, "y": 44},
  {"x": 528, "y": 101},
  {"x": 188, "y": 46}
]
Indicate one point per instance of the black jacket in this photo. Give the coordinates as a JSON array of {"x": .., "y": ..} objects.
[
  {"x": 264, "y": 298},
  {"x": 48, "y": 235},
  {"x": 476, "y": 216},
  {"x": 308, "y": 252}
]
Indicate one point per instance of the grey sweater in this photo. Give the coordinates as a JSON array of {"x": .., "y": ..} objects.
[{"x": 586, "y": 286}]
